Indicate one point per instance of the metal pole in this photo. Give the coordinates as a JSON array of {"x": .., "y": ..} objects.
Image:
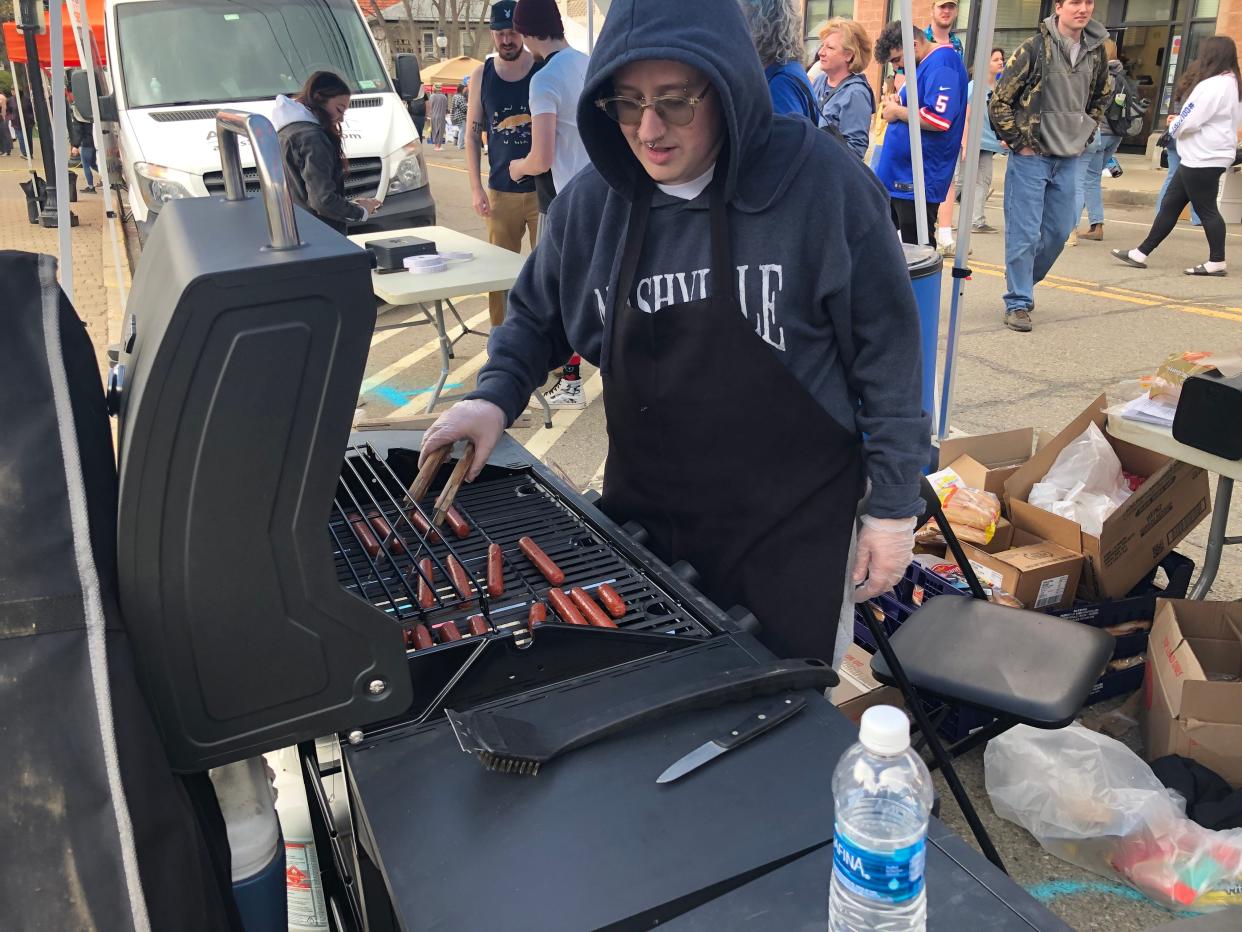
[
  {"x": 916, "y": 123},
  {"x": 60, "y": 145},
  {"x": 978, "y": 116},
  {"x": 21, "y": 119},
  {"x": 86, "y": 55},
  {"x": 590, "y": 26},
  {"x": 34, "y": 87}
]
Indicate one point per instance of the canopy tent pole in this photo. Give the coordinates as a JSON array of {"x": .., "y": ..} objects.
[
  {"x": 81, "y": 21},
  {"x": 30, "y": 11},
  {"x": 970, "y": 173},
  {"x": 27, "y": 142},
  {"x": 916, "y": 128},
  {"x": 590, "y": 26},
  {"x": 60, "y": 146}
]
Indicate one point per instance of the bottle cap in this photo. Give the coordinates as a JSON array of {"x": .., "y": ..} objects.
[{"x": 884, "y": 730}]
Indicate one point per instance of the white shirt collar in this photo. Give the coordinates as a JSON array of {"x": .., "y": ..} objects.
[{"x": 689, "y": 190}]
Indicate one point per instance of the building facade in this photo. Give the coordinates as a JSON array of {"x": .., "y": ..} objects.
[{"x": 1155, "y": 38}]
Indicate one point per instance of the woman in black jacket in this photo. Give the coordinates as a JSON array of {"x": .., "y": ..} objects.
[{"x": 309, "y": 127}]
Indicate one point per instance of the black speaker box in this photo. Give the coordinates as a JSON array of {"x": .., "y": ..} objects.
[{"x": 1209, "y": 415}]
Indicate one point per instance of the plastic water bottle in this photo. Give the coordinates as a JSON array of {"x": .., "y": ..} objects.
[{"x": 883, "y": 797}]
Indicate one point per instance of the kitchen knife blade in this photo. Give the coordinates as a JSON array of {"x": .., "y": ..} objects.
[{"x": 755, "y": 724}]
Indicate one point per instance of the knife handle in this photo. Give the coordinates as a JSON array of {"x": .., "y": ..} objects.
[{"x": 763, "y": 720}]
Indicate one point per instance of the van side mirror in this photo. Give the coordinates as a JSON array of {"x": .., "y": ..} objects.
[
  {"x": 409, "y": 77},
  {"x": 79, "y": 83}
]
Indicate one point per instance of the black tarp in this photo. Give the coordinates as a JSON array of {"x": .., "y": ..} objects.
[{"x": 98, "y": 832}]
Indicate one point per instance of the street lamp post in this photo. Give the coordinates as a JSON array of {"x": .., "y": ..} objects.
[{"x": 441, "y": 43}]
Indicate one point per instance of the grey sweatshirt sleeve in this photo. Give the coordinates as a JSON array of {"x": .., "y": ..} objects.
[
  {"x": 532, "y": 341},
  {"x": 315, "y": 156},
  {"x": 854, "y": 119},
  {"x": 886, "y": 371}
]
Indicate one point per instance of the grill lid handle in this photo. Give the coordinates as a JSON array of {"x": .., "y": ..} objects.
[{"x": 282, "y": 227}]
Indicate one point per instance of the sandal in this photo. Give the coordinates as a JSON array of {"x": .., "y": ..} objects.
[
  {"x": 1201, "y": 270},
  {"x": 1123, "y": 255}
]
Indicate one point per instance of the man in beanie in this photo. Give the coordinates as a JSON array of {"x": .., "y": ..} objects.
[
  {"x": 556, "y": 151},
  {"x": 500, "y": 106}
]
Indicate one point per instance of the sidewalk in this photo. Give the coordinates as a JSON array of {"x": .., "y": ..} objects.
[{"x": 94, "y": 292}]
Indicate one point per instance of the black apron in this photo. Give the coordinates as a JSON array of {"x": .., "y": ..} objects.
[{"x": 724, "y": 457}]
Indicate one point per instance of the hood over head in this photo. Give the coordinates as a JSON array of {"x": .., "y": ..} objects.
[
  {"x": 288, "y": 110},
  {"x": 712, "y": 37}
]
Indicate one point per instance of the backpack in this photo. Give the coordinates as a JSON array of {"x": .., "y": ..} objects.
[{"x": 1124, "y": 114}]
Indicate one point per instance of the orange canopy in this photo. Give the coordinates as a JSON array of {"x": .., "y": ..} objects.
[{"x": 15, "y": 41}]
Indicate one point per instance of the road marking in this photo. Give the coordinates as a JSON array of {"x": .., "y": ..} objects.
[
  {"x": 539, "y": 445},
  {"x": 1198, "y": 231},
  {"x": 410, "y": 359},
  {"x": 597, "y": 480},
  {"x": 1107, "y": 291},
  {"x": 454, "y": 168},
  {"x": 459, "y": 376},
  {"x": 398, "y": 397},
  {"x": 391, "y": 330},
  {"x": 1055, "y": 889}
]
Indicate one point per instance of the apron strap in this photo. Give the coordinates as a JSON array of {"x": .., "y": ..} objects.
[
  {"x": 722, "y": 260},
  {"x": 632, "y": 251}
]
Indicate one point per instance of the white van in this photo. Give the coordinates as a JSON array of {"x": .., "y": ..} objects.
[{"x": 173, "y": 63}]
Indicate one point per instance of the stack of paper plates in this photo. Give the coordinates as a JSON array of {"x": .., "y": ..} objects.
[{"x": 421, "y": 265}]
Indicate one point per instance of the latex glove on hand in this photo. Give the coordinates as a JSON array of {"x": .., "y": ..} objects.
[
  {"x": 476, "y": 420},
  {"x": 885, "y": 548}
]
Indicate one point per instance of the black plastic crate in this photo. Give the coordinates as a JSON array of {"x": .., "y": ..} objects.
[{"x": 1116, "y": 683}]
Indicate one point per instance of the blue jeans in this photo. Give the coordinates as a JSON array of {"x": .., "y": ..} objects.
[
  {"x": 1039, "y": 215},
  {"x": 1174, "y": 161},
  {"x": 1090, "y": 167},
  {"x": 87, "y": 155}
]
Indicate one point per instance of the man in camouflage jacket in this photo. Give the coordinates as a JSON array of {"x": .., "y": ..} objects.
[{"x": 1045, "y": 109}]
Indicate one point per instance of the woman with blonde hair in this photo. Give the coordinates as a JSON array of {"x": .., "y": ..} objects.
[
  {"x": 776, "y": 30},
  {"x": 843, "y": 96}
]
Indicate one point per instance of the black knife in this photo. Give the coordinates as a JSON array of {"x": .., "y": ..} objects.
[{"x": 754, "y": 725}]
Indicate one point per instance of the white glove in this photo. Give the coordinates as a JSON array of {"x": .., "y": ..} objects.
[
  {"x": 476, "y": 420},
  {"x": 885, "y": 548}
]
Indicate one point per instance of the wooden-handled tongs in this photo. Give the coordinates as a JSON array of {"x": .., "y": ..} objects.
[{"x": 427, "y": 475}]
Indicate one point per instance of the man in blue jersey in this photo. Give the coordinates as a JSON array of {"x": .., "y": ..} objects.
[{"x": 941, "y": 80}]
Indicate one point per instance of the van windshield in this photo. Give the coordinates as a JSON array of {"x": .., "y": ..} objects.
[{"x": 213, "y": 51}]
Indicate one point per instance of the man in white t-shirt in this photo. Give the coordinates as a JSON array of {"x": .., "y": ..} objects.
[{"x": 556, "y": 148}]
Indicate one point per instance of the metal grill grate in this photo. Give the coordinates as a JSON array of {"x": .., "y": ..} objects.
[
  {"x": 501, "y": 510},
  {"x": 362, "y": 181}
]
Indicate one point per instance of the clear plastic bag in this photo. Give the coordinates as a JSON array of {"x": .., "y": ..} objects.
[
  {"x": 1090, "y": 800},
  {"x": 1085, "y": 484}
]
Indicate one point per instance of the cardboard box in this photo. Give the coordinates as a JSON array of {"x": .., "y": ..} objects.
[
  {"x": 1135, "y": 537},
  {"x": 1186, "y": 710},
  {"x": 987, "y": 460},
  {"x": 1038, "y": 573},
  {"x": 859, "y": 690},
  {"x": 1002, "y": 539}
]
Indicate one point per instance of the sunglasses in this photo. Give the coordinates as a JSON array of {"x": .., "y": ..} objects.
[{"x": 673, "y": 109}]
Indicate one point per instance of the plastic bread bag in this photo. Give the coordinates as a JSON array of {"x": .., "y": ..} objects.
[
  {"x": 966, "y": 507},
  {"x": 1085, "y": 484},
  {"x": 1177, "y": 368},
  {"x": 1090, "y": 800}
]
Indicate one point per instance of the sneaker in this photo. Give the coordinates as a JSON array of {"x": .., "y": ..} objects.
[
  {"x": 89, "y": 189},
  {"x": 984, "y": 228},
  {"x": 566, "y": 394},
  {"x": 1019, "y": 320}
]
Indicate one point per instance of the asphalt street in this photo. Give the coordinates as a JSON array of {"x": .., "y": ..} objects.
[{"x": 1097, "y": 324}]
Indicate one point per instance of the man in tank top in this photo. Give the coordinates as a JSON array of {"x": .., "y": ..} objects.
[{"x": 500, "y": 106}]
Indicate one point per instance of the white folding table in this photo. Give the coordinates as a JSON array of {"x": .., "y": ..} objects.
[
  {"x": 1160, "y": 439},
  {"x": 491, "y": 269}
]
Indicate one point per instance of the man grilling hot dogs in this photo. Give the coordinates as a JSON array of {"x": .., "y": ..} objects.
[{"x": 737, "y": 279}]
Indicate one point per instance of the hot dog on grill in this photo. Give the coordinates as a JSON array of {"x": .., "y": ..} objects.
[
  {"x": 447, "y": 631},
  {"x": 422, "y": 637},
  {"x": 426, "y": 594},
  {"x": 365, "y": 537},
  {"x": 423, "y": 526},
  {"x": 387, "y": 536},
  {"x": 477, "y": 625},
  {"x": 495, "y": 571},
  {"x": 461, "y": 580},
  {"x": 564, "y": 606},
  {"x": 457, "y": 523},
  {"x": 538, "y": 615},
  {"x": 543, "y": 563},
  {"x": 611, "y": 600},
  {"x": 593, "y": 613}
]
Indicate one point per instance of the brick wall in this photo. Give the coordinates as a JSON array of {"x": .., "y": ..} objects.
[{"x": 1229, "y": 20}]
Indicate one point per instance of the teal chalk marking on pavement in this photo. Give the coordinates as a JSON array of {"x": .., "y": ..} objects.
[
  {"x": 396, "y": 396},
  {"x": 1055, "y": 889}
]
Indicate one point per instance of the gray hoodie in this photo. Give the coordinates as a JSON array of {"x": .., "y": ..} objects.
[
  {"x": 820, "y": 272},
  {"x": 313, "y": 171}
]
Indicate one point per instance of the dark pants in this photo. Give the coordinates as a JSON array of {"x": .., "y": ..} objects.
[
  {"x": 1197, "y": 186},
  {"x": 904, "y": 220}
]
